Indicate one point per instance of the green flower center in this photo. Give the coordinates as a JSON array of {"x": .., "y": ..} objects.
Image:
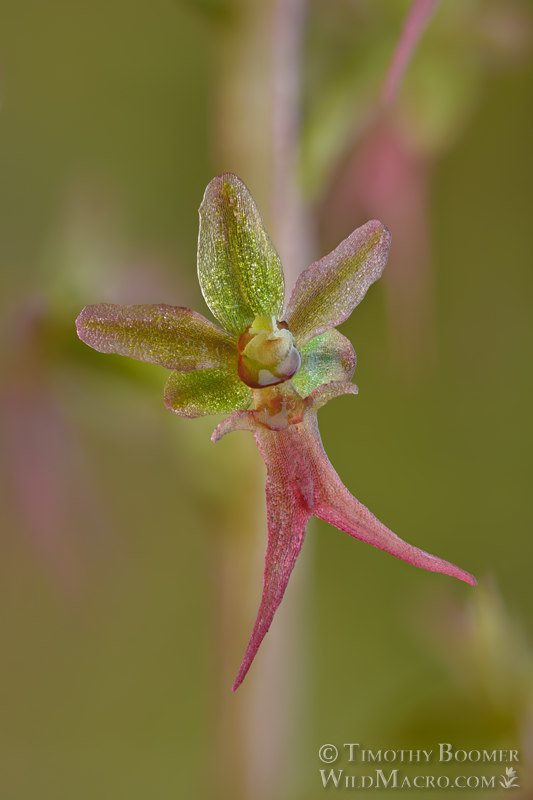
[{"x": 267, "y": 354}]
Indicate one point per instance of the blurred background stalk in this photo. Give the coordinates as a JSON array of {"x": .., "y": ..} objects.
[{"x": 257, "y": 70}]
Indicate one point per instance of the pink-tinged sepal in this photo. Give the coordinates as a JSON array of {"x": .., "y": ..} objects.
[
  {"x": 327, "y": 292},
  {"x": 173, "y": 337}
]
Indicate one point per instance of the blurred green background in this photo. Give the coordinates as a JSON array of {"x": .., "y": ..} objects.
[{"x": 131, "y": 546}]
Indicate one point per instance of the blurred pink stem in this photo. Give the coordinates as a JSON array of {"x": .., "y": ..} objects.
[{"x": 414, "y": 26}]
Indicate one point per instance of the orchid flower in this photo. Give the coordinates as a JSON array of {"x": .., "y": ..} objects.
[{"x": 272, "y": 366}]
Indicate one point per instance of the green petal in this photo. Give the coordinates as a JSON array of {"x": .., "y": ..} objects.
[
  {"x": 327, "y": 292},
  {"x": 173, "y": 337},
  {"x": 206, "y": 391},
  {"x": 239, "y": 270},
  {"x": 326, "y": 358}
]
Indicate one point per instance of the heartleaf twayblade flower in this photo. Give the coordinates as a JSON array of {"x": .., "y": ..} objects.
[{"x": 273, "y": 368}]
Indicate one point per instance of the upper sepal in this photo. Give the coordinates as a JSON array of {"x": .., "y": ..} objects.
[
  {"x": 239, "y": 269},
  {"x": 173, "y": 337}
]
